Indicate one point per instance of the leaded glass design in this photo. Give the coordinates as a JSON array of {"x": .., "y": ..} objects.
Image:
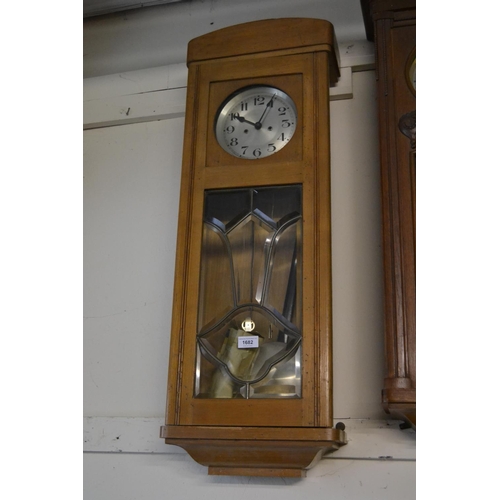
[{"x": 250, "y": 293}]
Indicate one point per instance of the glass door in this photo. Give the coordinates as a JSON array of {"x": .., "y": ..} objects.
[{"x": 250, "y": 302}]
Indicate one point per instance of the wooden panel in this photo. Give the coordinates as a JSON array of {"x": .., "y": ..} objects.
[
  {"x": 281, "y": 36},
  {"x": 251, "y": 456},
  {"x": 246, "y": 412},
  {"x": 252, "y": 449},
  {"x": 395, "y": 36},
  {"x": 255, "y": 472},
  {"x": 260, "y": 175},
  {"x": 289, "y": 82},
  {"x": 270, "y": 433},
  {"x": 181, "y": 260},
  {"x": 322, "y": 244}
]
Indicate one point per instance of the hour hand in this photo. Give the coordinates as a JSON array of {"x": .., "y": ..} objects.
[{"x": 241, "y": 119}]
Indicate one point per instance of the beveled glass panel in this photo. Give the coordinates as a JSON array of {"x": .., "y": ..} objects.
[
  {"x": 248, "y": 240},
  {"x": 277, "y": 203},
  {"x": 282, "y": 381},
  {"x": 285, "y": 279},
  {"x": 250, "y": 286},
  {"x": 216, "y": 282},
  {"x": 226, "y": 205}
]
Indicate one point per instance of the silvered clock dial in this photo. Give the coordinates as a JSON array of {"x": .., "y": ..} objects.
[{"x": 256, "y": 122}]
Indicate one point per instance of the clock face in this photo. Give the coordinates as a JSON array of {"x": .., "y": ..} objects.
[
  {"x": 256, "y": 122},
  {"x": 412, "y": 74}
]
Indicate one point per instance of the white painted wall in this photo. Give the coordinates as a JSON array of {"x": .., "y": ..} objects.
[
  {"x": 132, "y": 161},
  {"x": 158, "y": 36}
]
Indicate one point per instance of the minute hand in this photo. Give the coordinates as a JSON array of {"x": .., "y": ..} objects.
[{"x": 268, "y": 105}]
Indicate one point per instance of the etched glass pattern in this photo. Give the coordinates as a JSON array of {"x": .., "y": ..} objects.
[{"x": 250, "y": 286}]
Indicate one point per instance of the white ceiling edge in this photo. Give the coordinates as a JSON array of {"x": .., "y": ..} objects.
[
  {"x": 158, "y": 36},
  {"x": 100, "y": 7}
]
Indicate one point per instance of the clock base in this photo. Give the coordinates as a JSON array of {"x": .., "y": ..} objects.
[
  {"x": 401, "y": 404},
  {"x": 255, "y": 451},
  {"x": 255, "y": 472}
]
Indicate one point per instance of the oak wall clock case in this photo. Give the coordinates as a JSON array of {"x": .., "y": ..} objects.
[{"x": 250, "y": 373}]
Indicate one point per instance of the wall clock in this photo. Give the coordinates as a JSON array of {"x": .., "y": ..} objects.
[
  {"x": 394, "y": 27},
  {"x": 250, "y": 369}
]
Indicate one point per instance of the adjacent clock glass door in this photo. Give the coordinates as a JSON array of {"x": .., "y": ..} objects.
[
  {"x": 250, "y": 300},
  {"x": 255, "y": 122}
]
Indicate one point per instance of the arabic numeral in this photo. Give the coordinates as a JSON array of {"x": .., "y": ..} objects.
[
  {"x": 257, "y": 152},
  {"x": 230, "y": 129},
  {"x": 271, "y": 148},
  {"x": 282, "y": 111}
]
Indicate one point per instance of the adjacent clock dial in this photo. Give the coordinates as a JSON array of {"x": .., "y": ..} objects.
[
  {"x": 411, "y": 72},
  {"x": 412, "y": 75},
  {"x": 256, "y": 122}
]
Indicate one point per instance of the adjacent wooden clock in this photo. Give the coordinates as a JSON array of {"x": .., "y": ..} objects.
[
  {"x": 393, "y": 25},
  {"x": 250, "y": 374}
]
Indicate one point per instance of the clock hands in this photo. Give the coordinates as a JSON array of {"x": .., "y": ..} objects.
[
  {"x": 258, "y": 124},
  {"x": 241, "y": 119},
  {"x": 268, "y": 105}
]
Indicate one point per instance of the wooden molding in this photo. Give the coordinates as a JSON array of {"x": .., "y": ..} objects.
[
  {"x": 268, "y": 37},
  {"x": 255, "y": 451}
]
